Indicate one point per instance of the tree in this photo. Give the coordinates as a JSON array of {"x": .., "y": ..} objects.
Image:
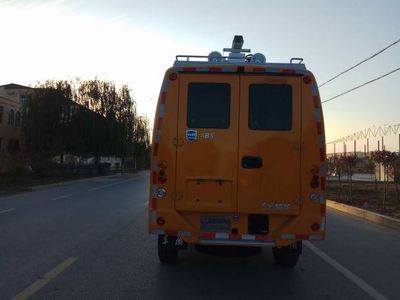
[
  {"x": 90, "y": 118},
  {"x": 349, "y": 163},
  {"x": 388, "y": 160}
]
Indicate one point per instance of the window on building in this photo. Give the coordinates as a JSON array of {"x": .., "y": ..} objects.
[
  {"x": 18, "y": 119},
  {"x": 1, "y": 114},
  {"x": 11, "y": 117},
  {"x": 13, "y": 146}
]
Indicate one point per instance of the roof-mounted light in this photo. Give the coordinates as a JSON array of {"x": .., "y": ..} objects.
[
  {"x": 258, "y": 58},
  {"x": 215, "y": 57}
]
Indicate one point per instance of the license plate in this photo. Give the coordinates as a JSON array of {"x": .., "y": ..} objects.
[{"x": 215, "y": 223}]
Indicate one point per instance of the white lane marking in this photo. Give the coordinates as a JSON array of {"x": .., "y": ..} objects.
[
  {"x": 38, "y": 284},
  {"x": 346, "y": 272},
  {"x": 6, "y": 211},
  {"x": 60, "y": 197},
  {"x": 108, "y": 185}
]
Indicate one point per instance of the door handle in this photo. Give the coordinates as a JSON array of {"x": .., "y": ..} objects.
[{"x": 251, "y": 162}]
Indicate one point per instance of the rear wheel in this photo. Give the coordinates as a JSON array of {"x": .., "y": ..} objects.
[
  {"x": 287, "y": 256},
  {"x": 166, "y": 254}
]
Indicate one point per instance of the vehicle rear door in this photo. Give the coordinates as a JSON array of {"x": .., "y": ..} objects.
[
  {"x": 206, "y": 178},
  {"x": 269, "y": 144}
]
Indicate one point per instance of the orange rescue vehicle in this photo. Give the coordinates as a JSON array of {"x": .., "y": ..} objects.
[{"x": 238, "y": 155}]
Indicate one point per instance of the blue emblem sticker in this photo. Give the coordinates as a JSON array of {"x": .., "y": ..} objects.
[{"x": 191, "y": 135}]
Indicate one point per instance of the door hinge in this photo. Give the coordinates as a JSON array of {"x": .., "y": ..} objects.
[
  {"x": 176, "y": 196},
  {"x": 178, "y": 142},
  {"x": 298, "y": 146}
]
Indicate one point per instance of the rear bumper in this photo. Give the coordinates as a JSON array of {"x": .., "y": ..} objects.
[
  {"x": 251, "y": 240},
  {"x": 237, "y": 243}
]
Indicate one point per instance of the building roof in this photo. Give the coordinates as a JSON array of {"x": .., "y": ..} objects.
[{"x": 14, "y": 86}]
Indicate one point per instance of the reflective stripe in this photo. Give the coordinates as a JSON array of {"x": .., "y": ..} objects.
[
  {"x": 317, "y": 115},
  {"x": 322, "y": 199},
  {"x": 184, "y": 233},
  {"x": 215, "y": 69},
  {"x": 302, "y": 236},
  {"x": 288, "y": 236},
  {"x": 164, "y": 86},
  {"x": 314, "y": 90},
  {"x": 248, "y": 237},
  {"x": 154, "y": 177},
  {"x": 315, "y": 237},
  {"x": 229, "y": 70},
  {"x": 154, "y": 191},
  {"x": 154, "y": 165},
  {"x": 219, "y": 235},
  {"x": 157, "y": 231},
  {"x": 322, "y": 225},
  {"x": 155, "y": 149},
  {"x": 172, "y": 233},
  {"x": 157, "y": 137},
  {"x": 323, "y": 169},
  {"x": 321, "y": 141},
  {"x": 161, "y": 110},
  {"x": 238, "y": 243}
]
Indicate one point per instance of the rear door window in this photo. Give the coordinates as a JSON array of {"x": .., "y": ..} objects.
[
  {"x": 209, "y": 105},
  {"x": 270, "y": 107}
]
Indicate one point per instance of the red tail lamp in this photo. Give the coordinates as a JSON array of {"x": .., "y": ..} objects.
[
  {"x": 307, "y": 79},
  {"x": 162, "y": 165},
  {"x": 162, "y": 175},
  {"x": 173, "y": 76},
  {"x": 315, "y": 226},
  {"x": 160, "y": 221}
]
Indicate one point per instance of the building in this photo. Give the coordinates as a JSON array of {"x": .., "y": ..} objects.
[{"x": 12, "y": 97}]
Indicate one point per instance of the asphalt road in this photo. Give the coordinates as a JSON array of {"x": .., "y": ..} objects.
[{"x": 88, "y": 240}]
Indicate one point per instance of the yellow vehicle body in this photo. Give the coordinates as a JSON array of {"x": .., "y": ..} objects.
[{"x": 244, "y": 178}]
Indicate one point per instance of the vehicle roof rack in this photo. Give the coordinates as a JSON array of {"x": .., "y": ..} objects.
[{"x": 236, "y": 55}]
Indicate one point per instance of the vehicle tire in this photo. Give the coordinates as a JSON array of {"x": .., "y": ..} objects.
[
  {"x": 287, "y": 256},
  {"x": 164, "y": 254}
]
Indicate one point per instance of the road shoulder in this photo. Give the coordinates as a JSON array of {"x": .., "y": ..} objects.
[{"x": 365, "y": 214}]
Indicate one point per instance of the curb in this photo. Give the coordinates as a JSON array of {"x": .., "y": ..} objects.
[{"x": 365, "y": 214}]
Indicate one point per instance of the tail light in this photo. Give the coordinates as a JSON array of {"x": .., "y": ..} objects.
[
  {"x": 314, "y": 183},
  {"x": 160, "y": 221},
  {"x": 307, "y": 79},
  {"x": 162, "y": 174},
  {"x": 315, "y": 226}
]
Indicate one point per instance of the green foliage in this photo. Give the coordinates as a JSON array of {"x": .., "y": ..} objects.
[
  {"x": 391, "y": 164},
  {"x": 83, "y": 118}
]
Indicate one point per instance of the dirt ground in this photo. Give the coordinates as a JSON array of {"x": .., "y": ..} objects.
[{"x": 367, "y": 195}]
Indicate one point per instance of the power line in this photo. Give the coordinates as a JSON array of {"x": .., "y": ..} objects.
[
  {"x": 361, "y": 62},
  {"x": 361, "y": 85}
]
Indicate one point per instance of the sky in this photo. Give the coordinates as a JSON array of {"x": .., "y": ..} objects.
[{"x": 134, "y": 42}]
